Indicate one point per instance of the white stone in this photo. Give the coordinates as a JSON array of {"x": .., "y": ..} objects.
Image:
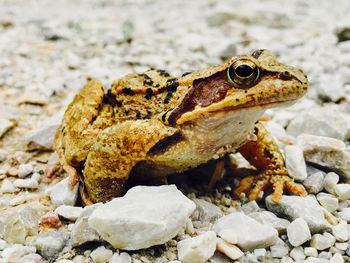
[
  {"x": 49, "y": 244},
  {"x": 64, "y": 261},
  {"x": 310, "y": 252},
  {"x": 232, "y": 251},
  {"x": 130, "y": 222},
  {"x": 298, "y": 232},
  {"x": 7, "y": 187},
  {"x": 337, "y": 258},
  {"x": 340, "y": 231},
  {"x": 295, "y": 162},
  {"x": 279, "y": 250},
  {"x": 31, "y": 183},
  {"x": 328, "y": 201},
  {"x": 269, "y": 218},
  {"x": 315, "y": 182},
  {"x": 342, "y": 191},
  {"x": 25, "y": 169},
  {"x": 61, "y": 194},
  {"x": 5, "y": 125},
  {"x": 321, "y": 242},
  {"x": 345, "y": 214},
  {"x": 330, "y": 181},
  {"x": 16, "y": 252},
  {"x": 31, "y": 258},
  {"x": 237, "y": 228},
  {"x": 260, "y": 253},
  {"x": 341, "y": 246},
  {"x": 41, "y": 138},
  {"x": 197, "y": 249},
  {"x": 2, "y": 244},
  {"x": 250, "y": 207},
  {"x": 316, "y": 260},
  {"x": 325, "y": 255},
  {"x": 101, "y": 255},
  {"x": 69, "y": 212},
  {"x": 120, "y": 258},
  {"x": 207, "y": 212},
  {"x": 297, "y": 253}
]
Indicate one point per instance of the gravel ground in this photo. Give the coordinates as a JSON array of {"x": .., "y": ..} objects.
[{"x": 48, "y": 50}]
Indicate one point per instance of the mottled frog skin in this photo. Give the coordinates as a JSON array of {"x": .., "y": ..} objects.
[{"x": 153, "y": 124}]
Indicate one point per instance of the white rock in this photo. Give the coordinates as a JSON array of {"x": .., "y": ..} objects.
[
  {"x": 101, "y": 255},
  {"x": 25, "y": 169},
  {"x": 232, "y": 251},
  {"x": 2, "y": 244},
  {"x": 16, "y": 252},
  {"x": 298, "y": 232},
  {"x": 120, "y": 258},
  {"x": 260, "y": 253},
  {"x": 342, "y": 191},
  {"x": 237, "y": 228},
  {"x": 31, "y": 258},
  {"x": 61, "y": 194},
  {"x": 297, "y": 253},
  {"x": 328, "y": 201},
  {"x": 64, "y": 261},
  {"x": 49, "y": 244},
  {"x": 69, "y": 212},
  {"x": 295, "y": 162},
  {"x": 130, "y": 223},
  {"x": 197, "y": 249},
  {"x": 7, "y": 187},
  {"x": 341, "y": 246},
  {"x": 345, "y": 214},
  {"x": 279, "y": 250},
  {"x": 310, "y": 252},
  {"x": 337, "y": 258},
  {"x": 207, "y": 212},
  {"x": 41, "y": 138},
  {"x": 269, "y": 218},
  {"x": 330, "y": 181},
  {"x": 316, "y": 260},
  {"x": 315, "y": 182},
  {"x": 340, "y": 231},
  {"x": 250, "y": 207},
  {"x": 321, "y": 242},
  {"x": 5, "y": 125},
  {"x": 31, "y": 183}
]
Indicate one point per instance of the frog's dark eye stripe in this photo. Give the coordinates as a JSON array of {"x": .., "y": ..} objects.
[{"x": 242, "y": 73}]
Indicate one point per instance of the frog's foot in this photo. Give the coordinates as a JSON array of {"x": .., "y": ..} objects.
[{"x": 256, "y": 184}]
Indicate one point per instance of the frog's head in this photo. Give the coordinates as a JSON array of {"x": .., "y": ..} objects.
[{"x": 256, "y": 81}]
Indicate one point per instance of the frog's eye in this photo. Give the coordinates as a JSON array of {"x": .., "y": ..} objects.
[{"x": 242, "y": 73}]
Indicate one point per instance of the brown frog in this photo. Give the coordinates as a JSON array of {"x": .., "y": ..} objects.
[{"x": 153, "y": 124}]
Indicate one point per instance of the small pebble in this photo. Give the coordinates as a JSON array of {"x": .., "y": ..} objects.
[
  {"x": 297, "y": 253},
  {"x": 340, "y": 231},
  {"x": 337, "y": 258},
  {"x": 314, "y": 183},
  {"x": 232, "y": 251},
  {"x": 321, "y": 242},
  {"x": 50, "y": 220},
  {"x": 341, "y": 246},
  {"x": 328, "y": 201},
  {"x": 295, "y": 162},
  {"x": 279, "y": 250},
  {"x": 330, "y": 182},
  {"x": 342, "y": 191},
  {"x": 7, "y": 187},
  {"x": 101, "y": 255},
  {"x": 69, "y": 212},
  {"x": 310, "y": 252},
  {"x": 298, "y": 232},
  {"x": 260, "y": 253},
  {"x": 25, "y": 169}
]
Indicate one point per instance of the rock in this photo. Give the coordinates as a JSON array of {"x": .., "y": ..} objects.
[
  {"x": 41, "y": 138},
  {"x": 343, "y": 34},
  {"x": 237, "y": 228},
  {"x": 279, "y": 249},
  {"x": 129, "y": 222},
  {"x": 345, "y": 214},
  {"x": 122, "y": 258},
  {"x": 50, "y": 220},
  {"x": 326, "y": 152},
  {"x": 31, "y": 183},
  {"x": 24, "y": 170},
  {"x": 69, "y": 212},
  {"x": 337, "y": 258},
  {"x": 81, "y": 231},
  {"x": 228, "y": 249},
  {"x": 298, "y": 232},
  {"x": 321, "y": 242},
  {"x": 294, "y": 207},
  {"x": 61, "y": 194},
  {"x": 31, "y": 258},
  {"x": 50, "y": 244},
  {"x": 197, "y": 249},
  {"x": 260, "y": 253},
  {"x": 314, "y": 183},
  {"x": 206, "y": 212},
  {"x": 18, "y": 222},
  {"x": 316, "y": 260},
  {"x": 2, "y": 244},
  {"x": 328, "y": 201},
  {"x": 295, "y": 162},
  {"x": 5, "y": 125},
  {"x": 268, "y": 218},
  {"x": 2, "y": 155},
  {"x": 340, "y": 231},
  {"x": 310, "y": 252},
  {"x": 14, "y": 253},
  {"x": 101, "y": 255},
  {"x": 340, "y": 245},
  {"x": 321, "y": 121},
  {"x": 330, "y": 182},
  {"x": 297, "y": 253},
  {"x": 250, "y": 207},
  {"x": 7, "y": 187},
  {"x": 342, "y": 191}
]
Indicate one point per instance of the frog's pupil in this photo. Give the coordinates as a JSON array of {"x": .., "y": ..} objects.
[{"x": 244, "y": 71}]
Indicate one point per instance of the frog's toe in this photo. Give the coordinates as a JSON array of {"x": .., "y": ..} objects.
[
  {"x": 245, "y": 186},
  {"x": 281, "y": 182},
  {"x": 260, "y": 185}
]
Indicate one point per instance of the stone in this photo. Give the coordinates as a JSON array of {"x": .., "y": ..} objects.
[
  {"x": 50, "y": 220},
  {"x": 81, "y": 231},
  {"x": 2, "y": 155},
  {"x": 316, "y": 260},
  {"x": 69, "y": 212},
  {"x": 279, "y": 249},
  {"x": 307, "y": 208},
  {"x": 120, "y": 258},
  {"x": 197, "y": 249},
  {"x": 7, "y": 187},
  {"x": 310, "y": 252},
  {"x": 14, "y": 253},
  {"x": 260, "y": 253},
  {"x": 101, "y": 255},
  {"x": 41, "y": 138},
  {"x": 328, "y": 201},
  {"x": 31, "y": 258},
  {"x": 314, "y": 183},
  {"x": 298, "y": 232},
  {"x": 297, "y": 253},
  {"x": 5, "y": 125},
  {"x": 295, "y": 162},
  {"x": 340, "y": 231},
  {"x": 325, "y": 151},
  {"x": 330, "y": 181},
  {"x": 342, "y": 191},
  {"x": 268, "y": 218},
  {"x": 61, "y": 194},
  {"x": 49, "y": 244},
  {"x": 250, "y": 207},
  {"x": 25, "y": 169},
  {"x": 30, "y": 183},
  {"x": 321, "y": 242},
  {"x": 247, "y": 233},
  {"x": 341, "y": 246},
  {"x": 2, "y": 244},
  {"x": 345, "y": 214},
  {"x": 337, "y": 258},
  {"x": 207, "y": 212},
  {"x": 129, "y": 222},
  {"x": 231, "y": 251}
]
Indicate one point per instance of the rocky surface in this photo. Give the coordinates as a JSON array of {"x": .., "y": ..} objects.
[{"x": 48, "y": 50}]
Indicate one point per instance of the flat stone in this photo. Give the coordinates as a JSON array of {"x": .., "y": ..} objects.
[
  {"x": 7, "y": 187},
  {"x": 41, "y": 138},
  {"x": 328, "y": 201},
  {"x": 121, "y": 258},
  {"x": 310, "y": 252},
  {"x": 50, "y": 244},
  {"x": 101, "y": 255},
  {"x": 260, "y": 253},
  {"x": 31, "y": 183},
  {"x": 279, "y": 249},
  {"x": 342, "y": 191},
  {"x": 61, "y": 194},
  {"x": 268, "y": 218},
  {"x": 294, "y": 207},
  {"x": 314, "y": 183},
  {"x": 250, "y": 207},
  {"x": 295, "y": 162},
  {"x": 5, "y": 125},
  {"x": 330, "y": 181},
  {"x": 345, "y": 214},
  {"x": 321, "y": 242},
  {"x": 298, "y": 232},
  {"x": 340, "y": 231},
  {"x": 297, "y": 253},
  {"x": 25, "y": 169},
  {"x": 206, "y": 211},
  {"x": 129, "y": 222},
  {"x": 231, "y": 251},
  {"x": 237, "y": 228},
  {"x": 69, "y": 212},
  {"x": 197, "y": 249},
  {"x": 337, "y": 258},
  {"x": 31, "y": 258}
]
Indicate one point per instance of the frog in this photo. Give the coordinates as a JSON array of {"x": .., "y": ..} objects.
[{"x": 152, "y": 124}]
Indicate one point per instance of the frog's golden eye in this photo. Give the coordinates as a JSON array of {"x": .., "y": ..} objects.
[{"x": 242, "y": 73}]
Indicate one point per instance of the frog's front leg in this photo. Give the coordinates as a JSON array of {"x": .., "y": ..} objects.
[
  {"x": 266, "y": 157},
  {"x": 116, "y": 151}
]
